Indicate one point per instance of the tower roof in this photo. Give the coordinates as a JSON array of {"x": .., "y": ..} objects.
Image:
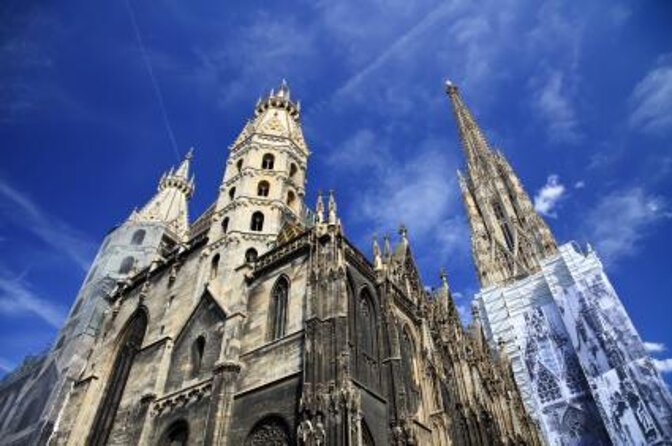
[
  {"x": 169, "y": 204},
  {"x": 280, "y": 98}
]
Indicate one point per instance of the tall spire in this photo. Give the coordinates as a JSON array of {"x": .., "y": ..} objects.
[
  {"x": 508, "y": 238},
  {"x": 169, "y": 204}
]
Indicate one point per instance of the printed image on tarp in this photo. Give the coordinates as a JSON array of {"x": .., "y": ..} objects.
[
  {"x": 569, "y": 413},
  {"x": 626, "y": 386}
]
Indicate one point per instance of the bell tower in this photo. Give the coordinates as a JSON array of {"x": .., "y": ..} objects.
[{"x": 264, "y": 180}]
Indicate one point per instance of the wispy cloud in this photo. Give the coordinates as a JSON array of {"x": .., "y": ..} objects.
[
  {"x": 552, "y": 100},
  {"x": 651, "y": 100},
  {"x": 622, "y": 219},
  {"x": 547, "y": 198},
  {"x": 18, "y": 298},
  {"x": 663, "y": 365},
  {"x": 55, "y": 233},
  {"x": 6, "y": 366},
  {"x": 415, "y": 192},
  {"x": 654, "y": 347}
]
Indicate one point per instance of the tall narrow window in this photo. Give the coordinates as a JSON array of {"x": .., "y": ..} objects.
[
  {"x": 225, "y": 225},
  {"x": 138, "y": 237},
  {"x": 239, "y": 166},
  {"x": 263, "y": 188},
  {"x": 126, "y": 265},
  {"x": 214, "y": 266},
  {"x": 257, "y": 223},
  {"x": 367, "y": 324},
  {"x": 251, "y": 255},
  {"x": 292, "y": 170},
  {"x": 232, "y": 193},
  {"x": 131, "y": 341},
  {"x": 278, "y": 309},
  {"x": 291, "y": 198},
  {"x": 267, "y": 162},
  {"x": 197, "y": 351},
  {"x": 503, "y": 224}
]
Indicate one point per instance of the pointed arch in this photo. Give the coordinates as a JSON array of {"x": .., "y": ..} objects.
[
  {"x": 408, "y": 354},
  {"x": 291, "y": 199},
  {"x": 129, "y": 343},
  {"x": 278, "y": 308},
  {"x": 251, "y": 255},
  {"x": 214, "y": 267},
  {"x": 138, "y": 237},
  {"x": 272, "y": 430},
  {"x": 197, "y": 350},
  {"x": 177, "y": 434},
  {"x": 225, "y": 225}
]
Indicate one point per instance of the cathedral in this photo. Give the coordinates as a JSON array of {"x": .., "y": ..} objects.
[
  {"x": 581, "y": 367},
  {"x": 260, "y": 323}
]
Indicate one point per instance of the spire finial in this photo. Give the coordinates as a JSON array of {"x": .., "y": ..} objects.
[
  {"x": 377, "y": 257},
  {"x": 387, "y": 251},
  {"x": 190, "y": 154},
  {"x": 451, "y": 88},
  {"x": 333, "y": 219},
  {"x": 444, "y": 278},
  {"x": 319, "y": 208},
  {"x": 403, "y": 232}
]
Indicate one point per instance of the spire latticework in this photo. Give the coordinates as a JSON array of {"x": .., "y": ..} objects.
[{"x": 508, "y": 237}]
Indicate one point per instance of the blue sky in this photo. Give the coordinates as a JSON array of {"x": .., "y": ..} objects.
[{"x": 578, "y": 95}]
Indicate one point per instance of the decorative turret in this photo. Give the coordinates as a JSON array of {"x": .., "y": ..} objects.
[
  {"x": 508, "y": 238},
  {"x": 169, "y": 205}
]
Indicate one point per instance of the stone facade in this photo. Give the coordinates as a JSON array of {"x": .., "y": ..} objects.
[
  {"x": 580, "y": 365},
  {"x": 263, "y": 325}
]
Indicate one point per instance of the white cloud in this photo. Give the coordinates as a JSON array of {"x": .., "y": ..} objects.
[
  {"x": 651, "y": 101},
  {"x": 654, "y": 347},
  {"x": 579, "y": 184},
  {"x": 547, "y": 198},
  {"x": 17, "y": 298},
  {"x": 663, "y": 365},
  {"x": 622, "y": 219},
  {"x": 52, "y": 231},
  {"x": 553, "y": 101}
]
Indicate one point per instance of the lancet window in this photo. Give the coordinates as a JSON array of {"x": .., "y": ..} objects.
[{"x": 278, "y": 308}]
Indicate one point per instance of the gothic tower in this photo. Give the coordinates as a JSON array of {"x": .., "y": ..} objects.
[
  {"x": 508, "y": 237},
  {"x": 31, "y": 405},
  {"x": 537, "y": 304}
]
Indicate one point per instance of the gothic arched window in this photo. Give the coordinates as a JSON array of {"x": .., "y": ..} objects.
[
  {"x": 138, "y": 237},
  {"x": 257, "y": 222},
  {"x": 126, "y": 265},
  {"x": 129, "y": 345},
  {"x": 270, "y": 431},
  {"x": 290, "y": 198},
  {"x": 177, "y": 434},
  {"x": 214, "y": 266},
  {"x": 251, "y": 255},
  {"x": 292, "y": 170},
  {"x": 366, "y": 325},
  {"x": 225, "y": 225},
  {"x": 263, "y": 188},
  {"x": 239, "y": 166},
  {"x": 232, "y": 193},
  {"x": 278, "y": 309},
  {"x": 547, "y": 386},
  {"x": 197, "y": 350},
  {"x": 267, "y": 162}
]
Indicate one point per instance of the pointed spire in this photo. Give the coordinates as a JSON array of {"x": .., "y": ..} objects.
[
  {"x": 333, "y": 218},
  {"x": 508, "y": 238},
  {"x": 444, "y": 280},
  {"x": 403, "y": 232},
  {"x": 377, "y": 256},
  {"x": 319, "y": 208},
  {"x": 387, "y": 251},
  {"x": 183, "y": 169},
  {"x": 473, "y": 142}
]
